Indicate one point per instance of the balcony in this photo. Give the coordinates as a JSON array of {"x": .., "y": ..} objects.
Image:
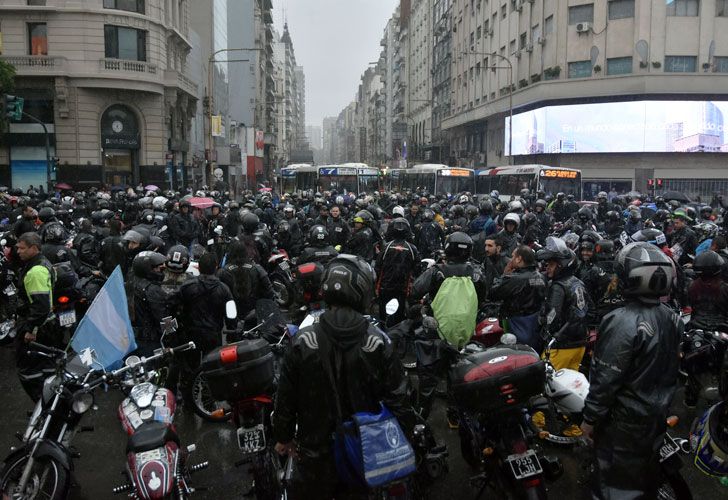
[
  {"x": 37, "y": 65},
  {"x": 176, "y": 79},
  {"x": 125, "y": 66}
]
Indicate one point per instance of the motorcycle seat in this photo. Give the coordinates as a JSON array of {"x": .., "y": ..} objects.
[{"x": 151, "y": 435}]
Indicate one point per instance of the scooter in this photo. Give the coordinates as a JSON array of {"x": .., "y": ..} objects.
[{"x": 157, "y": 464}]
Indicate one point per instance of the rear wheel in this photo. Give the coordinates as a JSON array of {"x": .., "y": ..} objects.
[
  {"x": 202, "y": 401},
  {"x": 283, "y": 291},
  {"x": 267, "y": 475},
  {"x": 48, "y": 480}
]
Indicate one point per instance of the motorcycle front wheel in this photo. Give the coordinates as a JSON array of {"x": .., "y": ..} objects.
[
  {"x": 48, "y": 480},
  {"x": 282, "y": 291}
]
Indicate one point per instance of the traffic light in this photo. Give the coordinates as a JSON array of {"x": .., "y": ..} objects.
[
  {"x": 658, "y": 182},
  {"x": 651, "y": 182},
  {"x": 13, "y": 107}
]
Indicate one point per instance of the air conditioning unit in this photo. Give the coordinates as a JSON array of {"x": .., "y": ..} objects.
[
  {"x": 583, "y": 27},
  {"x": 541, "y": 40},
  {"x": 529, "y": 47}
]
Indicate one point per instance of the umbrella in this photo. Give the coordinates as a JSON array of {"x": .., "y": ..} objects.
[
  {"x": 63, "y": 185},
  {"x": 265, "y": 190},
  {"x": 151, "y": 187},
  {"x": 202, "y": 202},
  {"x": 634, "y": 194},
  {"x": 675, "y": 195}
]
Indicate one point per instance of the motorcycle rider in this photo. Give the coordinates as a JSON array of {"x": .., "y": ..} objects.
[
  {"x": 175, "y": 272},
  {"x": 433, "y": 361},
  {"x": 683, "y": 237},
  {"x": 495, "y": 262},
  {"x": 151, "y": 303},
  {"x": 183, "y": 228},
  {"x": 430, "y": 237},
  {"x": 362, "y": 240},
  {"x": 708, "y": 294},
  {"x": 484, "y": 221},
  {"x": 522, "y": 290},
  {"x": 603, "y": 206},
  {"x": 339, "y": 230},
  {"x": 86, "y": 246},
  {"x": 35, "y": 292},
  {"x": 634, "y": 221},
  {"x": 364, "y": 377},
  {"x": 633, "y": 378},
  {"x": 247, "y": 280},
  {"x": 319, "y": 249},
  {"x": 509, "y": 237},
  {"x": 565, "y": 312},
  {"x": 396, "y": 267}
]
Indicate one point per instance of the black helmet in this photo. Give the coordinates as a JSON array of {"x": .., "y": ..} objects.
[
  {"x": 136, "y": 237},
  {"x": 318, "y": 236},
  {"x": 529, "y": 218},
  {"x": 46, "y": 214},
  {"x": 400, "y": 228},
  {"x": 486, "y": 207},
  {"x": 541, "y": 203},
  {"x": 459, "y": 246},
  {"x": 613, "y": 216},
  {"x": 363, "y": 217},
  {"x": 428, "y": 216},
  {"x": 644, "y": 271},
  {"x": 602, "y": 196},
  {"x": 635, "y": 214},
  {"x": 145, "y": 263},
  {"x": 584, "y": 214},
  {"x": 54, "y": 233},
  {"x": 557, "y": 250},
  {"x": 458, "y": 211},
  {"x": 250, "y": 222},
  {"x": 604, "y": 250},
  {"x": 708, "y": 264},
  {"x": 706, "y": 211},
  {"x": 348, "y": 281},
  {"x": 650, "y": 235},
  {"x": 178, "y": 259}
]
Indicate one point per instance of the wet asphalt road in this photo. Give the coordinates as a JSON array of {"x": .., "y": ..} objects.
[{"x": 102, "y": 459}]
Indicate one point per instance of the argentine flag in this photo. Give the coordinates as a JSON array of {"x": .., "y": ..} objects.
[{"x": 106, "y": 327}]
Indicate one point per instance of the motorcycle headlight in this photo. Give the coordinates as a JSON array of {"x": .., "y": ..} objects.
[{"x": 82, "y": 402}]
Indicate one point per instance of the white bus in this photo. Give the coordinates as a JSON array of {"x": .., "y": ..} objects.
[
  {"x": 347, "y": 177},
  {"x": 437, "y": 179},
  {"x": 509, "y": 181},
  {"x": 287, "y": 179}
]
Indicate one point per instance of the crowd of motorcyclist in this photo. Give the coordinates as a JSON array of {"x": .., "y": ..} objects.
[{"x": 551, "y": 266}]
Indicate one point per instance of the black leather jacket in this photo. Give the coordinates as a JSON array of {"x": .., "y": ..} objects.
[
  {"x": 251, "y": 276},
  {"x": 203, "y": 299},
  {"x": 522, "y": 292},
  {"x": 362, "y": 243},
  {"x": 370, "y": 373},
  {"x": 396, "y": 266},
  {"x": 634, "y": 370},
  {"x": 151, "y": 304},
  {"x": 509, "y": 241},
  {"x": 565, "y": 312},
  {"x": 709, "y": 300},
  {"x": 338, "y": 231}
]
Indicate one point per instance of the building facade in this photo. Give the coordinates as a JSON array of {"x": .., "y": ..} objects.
[
  {"x": 291, "y": 110},
  {"x": 592, "y": 87},
  {"x": 418, "y": 108},
  {"x": 110, "y": 81}
]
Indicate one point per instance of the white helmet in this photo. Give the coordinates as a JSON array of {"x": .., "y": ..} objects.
[
  {"x": 200, "y": 194},
  {"x": 463, "y": 198},
  {"x": 398, "y": 211},
  {"x": 159, "y": 202},
  {"x": 515, "y": 206},
  {"x": 512, "y": 218}
]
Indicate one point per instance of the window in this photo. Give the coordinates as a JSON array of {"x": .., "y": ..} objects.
[
  {"x": 478, "y": 33},
  {"x": 580, "y": 69},
  {"x": 130, "y": 5},
  {"x": 522, "y": 41},
  {"x": 621, "y": 9},
  {"x": 548, "y": 25},
  {"x": 504, "y": 11},
  {"x": 581, "y": 13},
  {"x": 125, "y": 43},
  {"x": 486, "y": 25},
  {"x": 721, "y": 8},
  {"x": 682, "y": 8},
  {"x": 37, "y": 39},
  {"x": 720, "y": 64},
  {"x": 680, "y": 64},
  {"x": 37, "y": 2},
  {"x": 619, "y": 66}
]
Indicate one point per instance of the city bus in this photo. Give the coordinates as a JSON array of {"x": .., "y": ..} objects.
[
  {"x": 438, "y": 179},
  {"x": 287, "y": 180},
  {"x": 509, "y": 181},
  {"x": 347, "y": 177},
  {"x": 392, "y": 179}
]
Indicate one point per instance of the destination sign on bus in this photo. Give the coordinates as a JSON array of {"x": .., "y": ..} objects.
[
  {"x": 559, "y": 174},
  {"x": 368, "y": 171},
  {"x": 337, "y": 171},
  {"x": 455, "y": 172}
]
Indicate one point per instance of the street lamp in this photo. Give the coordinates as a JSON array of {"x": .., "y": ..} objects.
[
  {"x": 510, "y": 94},
  {"x": 211, "y": 96}
]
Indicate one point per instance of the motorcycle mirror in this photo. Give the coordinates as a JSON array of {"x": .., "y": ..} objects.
[
  {"x": 132, "y": 361},
  {"x": 231, "y": 310},
  {"x": 392, "y": 307},
  {"x": 508, "y": 339}
]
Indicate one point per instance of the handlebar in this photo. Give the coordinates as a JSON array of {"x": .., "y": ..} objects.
[{"x": 44, "y": 349}]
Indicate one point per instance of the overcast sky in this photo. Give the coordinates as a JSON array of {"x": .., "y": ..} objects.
[{"x": 333, "y": 41}]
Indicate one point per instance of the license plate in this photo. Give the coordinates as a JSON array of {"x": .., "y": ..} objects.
[
  {"x": 284, "y": 266},
  {"x": 669, "y": 448},
  {"x": 525, "y": 465},
  {"x": 251, "y": 440},
  {"x": 67, "y": 318},
  {"x": 148, "y": 456},
  {"x": 10, "y": 290}
]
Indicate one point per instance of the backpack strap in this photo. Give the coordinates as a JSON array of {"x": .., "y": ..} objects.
[{"x": 325, "y": 349}]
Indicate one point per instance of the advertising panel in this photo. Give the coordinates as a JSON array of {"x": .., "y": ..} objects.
[{"x": 621, "y": 127}]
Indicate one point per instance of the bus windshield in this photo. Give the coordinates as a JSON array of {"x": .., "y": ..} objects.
[
  {"x": 455, "y": 183},
  {"x": 567, "y": 186},
  {"x": 338, "y": 183},
  {"x": 288, "y": 184},
  {"x": 368, "y": 183}
]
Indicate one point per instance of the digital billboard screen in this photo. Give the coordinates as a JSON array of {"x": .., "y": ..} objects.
[{"x": 621, "y": 127}]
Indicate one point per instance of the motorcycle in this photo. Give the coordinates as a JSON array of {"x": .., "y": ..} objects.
[
  {"x": 157, "y": 466},
  {"x": 243, "y": 375},
  {"x": 491, "y": 389},
  {"x": 281, "y": 277},
  {"x": 705, "y": 363}
]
